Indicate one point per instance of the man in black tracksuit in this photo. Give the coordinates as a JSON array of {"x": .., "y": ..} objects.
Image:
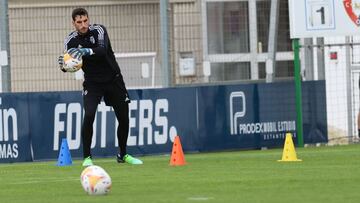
[{"x": 103, "y": 79}]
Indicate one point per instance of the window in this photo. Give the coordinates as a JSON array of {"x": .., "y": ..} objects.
[
  {"x": 228, "y": 27},
  {"x": 263, "y": 20},
  {"x": 237, "y": 49},
  {"x": 230, "y": 71}
]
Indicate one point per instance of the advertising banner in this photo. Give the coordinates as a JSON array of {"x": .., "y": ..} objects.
[
  {"x": 156, "y": 117},
  {"x": 14, "y": 128},
  {"x": 254, "y": 116},
  {"x": 206, "y": 118}
]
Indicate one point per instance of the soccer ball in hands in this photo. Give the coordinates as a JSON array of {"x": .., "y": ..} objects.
[
  {"x": 95, "y": 180},
  {"x": 72, "y": 64}
]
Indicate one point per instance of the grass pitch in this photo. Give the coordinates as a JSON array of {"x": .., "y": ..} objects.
[{"x": 326, "y": 174}]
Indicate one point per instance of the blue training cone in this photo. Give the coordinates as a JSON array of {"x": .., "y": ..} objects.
[{"x": 64, "y": 155}]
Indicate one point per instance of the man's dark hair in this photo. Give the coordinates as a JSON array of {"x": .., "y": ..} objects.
[{"x": 79, "y": 12}]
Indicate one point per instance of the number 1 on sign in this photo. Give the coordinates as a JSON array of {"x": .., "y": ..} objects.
[
  {"x": 319, "y": 14},
  {"x": 321, "y": 11}
]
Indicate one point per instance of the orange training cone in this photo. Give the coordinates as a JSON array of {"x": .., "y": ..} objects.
[
  {"x": 177, "y": 154},
  {"x": 289, "y": 153}
]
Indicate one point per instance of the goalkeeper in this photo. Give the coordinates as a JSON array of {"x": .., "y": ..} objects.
[{"x": 103, "y": 79}]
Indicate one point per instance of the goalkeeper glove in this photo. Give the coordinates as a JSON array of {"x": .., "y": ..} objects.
[
  {"x": 79, "y": 52},
  {"x": 61, "y": 63},
  {"x": 86, "y": 51}
]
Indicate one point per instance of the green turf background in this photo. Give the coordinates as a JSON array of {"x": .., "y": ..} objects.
[{"x": 326, "y": 174}]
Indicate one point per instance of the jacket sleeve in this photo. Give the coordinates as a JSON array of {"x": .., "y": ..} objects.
[
  {"x": 69, "y": 41},
  {"x": 102, "y": 41}
]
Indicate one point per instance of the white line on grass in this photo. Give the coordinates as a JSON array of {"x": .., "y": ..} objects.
[
  {"x": 42, "y": 181},
  {"x": 200, "y": 198}
]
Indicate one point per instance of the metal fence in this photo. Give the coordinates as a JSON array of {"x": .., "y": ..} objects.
[
  {"x": 37, "y": 34},
  {"x": 335, "y": 60},
  {"x": 209, "y": 41}
]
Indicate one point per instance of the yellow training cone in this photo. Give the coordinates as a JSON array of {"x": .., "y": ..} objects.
[{"x": 289, "y": 153}]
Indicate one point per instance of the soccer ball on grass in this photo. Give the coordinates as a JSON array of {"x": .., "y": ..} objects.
[{"x": 95, "y": 180}]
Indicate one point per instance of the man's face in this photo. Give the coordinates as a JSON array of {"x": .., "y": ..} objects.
[{"x": 81, "y": 24}]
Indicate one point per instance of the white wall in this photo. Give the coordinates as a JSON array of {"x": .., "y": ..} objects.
[{"x": 336, "y": 88}]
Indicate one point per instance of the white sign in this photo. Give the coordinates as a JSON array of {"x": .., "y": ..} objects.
[
  {"x": 321, "y": 18},
  {"x": 187, "y": 66},
  {"x": 145, "y": 73},
  {"x": 79, "y": 75},
  {"x": 3, "y": 58}
]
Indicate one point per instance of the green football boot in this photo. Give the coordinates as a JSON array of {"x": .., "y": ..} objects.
[
  {"x": 128, "y": 159},
  {"x": 87, "y": 161}
]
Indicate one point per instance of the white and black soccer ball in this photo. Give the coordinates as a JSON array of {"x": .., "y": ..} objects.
[
  {"x": 95, "y": 180},
  {"x": 72, "y": 64}
]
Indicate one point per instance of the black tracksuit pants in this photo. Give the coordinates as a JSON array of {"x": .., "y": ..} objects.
[{"x": 114, "y": 95}]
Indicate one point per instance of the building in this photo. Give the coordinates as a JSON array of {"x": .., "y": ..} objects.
[
  {"x": 228, "y": 38},
  {"x": 210, "y": 42}
]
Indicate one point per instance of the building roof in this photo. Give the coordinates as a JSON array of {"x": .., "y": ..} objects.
[{"x": 55, "y": 3}]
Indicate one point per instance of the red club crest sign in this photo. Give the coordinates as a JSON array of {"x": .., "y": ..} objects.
[{"x": 352, "y": 8}]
